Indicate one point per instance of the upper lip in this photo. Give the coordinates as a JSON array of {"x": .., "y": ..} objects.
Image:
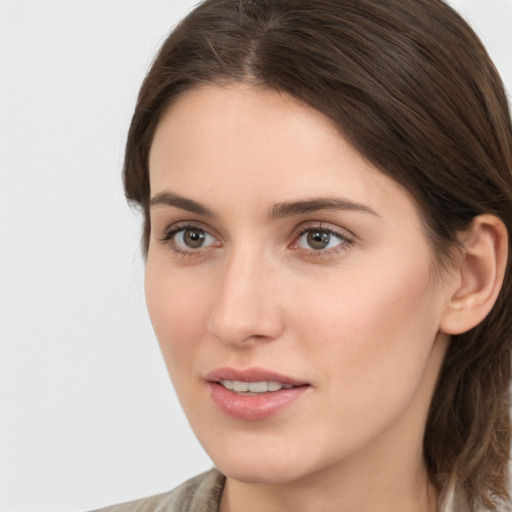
[{"x": 251, "y": 375}]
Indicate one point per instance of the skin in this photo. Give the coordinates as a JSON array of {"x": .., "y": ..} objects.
[{"x": 359, "y": 321}]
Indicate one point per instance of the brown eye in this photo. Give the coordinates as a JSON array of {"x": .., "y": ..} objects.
[
  {"x": 318, "y": 240},
  {"x": 189, "y": 238},
  {"x": 193, "y": 238},
  {"x": 321, "y": 240}
]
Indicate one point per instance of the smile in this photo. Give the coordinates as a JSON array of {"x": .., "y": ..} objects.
[
  {"x": 254, "y": 388},
  {"x": 254, "y": 394}
]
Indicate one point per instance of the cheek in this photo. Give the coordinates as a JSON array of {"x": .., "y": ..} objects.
[
  {"x": 373, "y": 336},
  {"x": 178, "y": 309}
]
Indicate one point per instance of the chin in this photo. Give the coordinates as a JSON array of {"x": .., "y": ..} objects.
[
  {"x": 260, "y": 473},
  {"x": 257, "y": 464}
]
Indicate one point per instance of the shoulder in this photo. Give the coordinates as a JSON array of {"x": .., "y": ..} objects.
[{"x": 199, "y": 494}]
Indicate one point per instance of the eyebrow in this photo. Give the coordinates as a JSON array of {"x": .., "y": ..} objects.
[
  {"x": 278, "y": 211},
  {"x": 291, "y": 208},
  {"x": 171, "y": 199}
]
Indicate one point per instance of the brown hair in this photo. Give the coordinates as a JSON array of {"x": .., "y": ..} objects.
[{"x": 412, "y": 88}]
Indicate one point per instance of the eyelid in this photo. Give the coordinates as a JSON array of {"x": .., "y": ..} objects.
[
  {"x": 338, "y": 231},
  {"x": 175, "y": 227}
]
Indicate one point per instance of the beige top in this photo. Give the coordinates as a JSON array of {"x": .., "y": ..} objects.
[{"x": 199, "y": 494}]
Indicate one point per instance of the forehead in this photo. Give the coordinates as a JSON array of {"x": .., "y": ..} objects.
[
  {"x": 255, "y": 147},
  {"x": 240, "y": 120}
]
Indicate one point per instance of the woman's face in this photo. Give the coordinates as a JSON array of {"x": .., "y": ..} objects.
[{"x": 283, "y": 265}]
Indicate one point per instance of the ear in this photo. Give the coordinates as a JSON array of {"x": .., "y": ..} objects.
[{"x": 477, "y": 274}]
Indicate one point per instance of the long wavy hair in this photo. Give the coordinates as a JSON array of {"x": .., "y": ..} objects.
[{"x": 411, "y": 86}]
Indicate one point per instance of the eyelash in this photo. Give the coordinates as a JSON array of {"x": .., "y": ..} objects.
[{"x": 344, "y": 241}]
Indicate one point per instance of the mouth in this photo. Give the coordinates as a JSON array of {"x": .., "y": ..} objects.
[
  {"x": 253, "y": 380},
  {"x": 254, "y": 388},
  {"x": 253, "y": 394}
]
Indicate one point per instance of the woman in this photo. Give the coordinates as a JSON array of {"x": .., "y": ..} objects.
[{"x": 327, "y": 194}]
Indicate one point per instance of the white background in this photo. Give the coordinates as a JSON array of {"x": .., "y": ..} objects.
[{"x": 87, "y": 414}]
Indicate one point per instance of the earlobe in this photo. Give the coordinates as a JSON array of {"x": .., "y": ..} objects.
[{"x": 478, "y": 274}]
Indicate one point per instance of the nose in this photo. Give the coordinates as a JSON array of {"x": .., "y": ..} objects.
[{"x": 247, "y": 308}]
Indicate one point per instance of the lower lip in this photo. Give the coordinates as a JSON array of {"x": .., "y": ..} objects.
[{"x": 253, "y": 407}]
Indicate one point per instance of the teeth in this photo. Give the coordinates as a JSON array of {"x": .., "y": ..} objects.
[
  {"x": 254, "y": 387},
  {"x": 274, "y": 386},
  {"x": 240, "y": 387},
  {"x": 258, "y": 387},
  {"x": 228, "y": 384}
]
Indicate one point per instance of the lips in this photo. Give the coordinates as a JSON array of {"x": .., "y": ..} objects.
[
  {"x": 252, "y": 375},
  {"x": 253, "y": 394}
]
